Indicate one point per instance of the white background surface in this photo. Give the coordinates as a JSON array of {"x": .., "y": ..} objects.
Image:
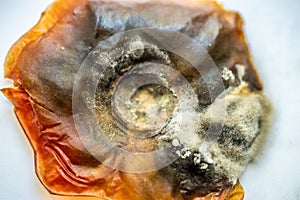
[{"x": 273, "y": 32}]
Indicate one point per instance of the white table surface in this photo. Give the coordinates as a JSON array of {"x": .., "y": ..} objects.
[{"x": 273, "y": 31}]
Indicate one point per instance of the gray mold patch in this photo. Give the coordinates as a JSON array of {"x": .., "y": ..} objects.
[{"x": 226, "y": 155}]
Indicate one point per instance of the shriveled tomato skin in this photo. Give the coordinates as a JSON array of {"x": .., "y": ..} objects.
[{"x": 63, "y": 165}]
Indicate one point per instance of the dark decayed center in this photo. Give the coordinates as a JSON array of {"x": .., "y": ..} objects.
[{"x": 147, "y": 110}]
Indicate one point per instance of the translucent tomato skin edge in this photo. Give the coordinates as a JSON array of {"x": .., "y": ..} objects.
[
  {"x": 48, "y": 19},
  {"x": 27, "y": 118}
]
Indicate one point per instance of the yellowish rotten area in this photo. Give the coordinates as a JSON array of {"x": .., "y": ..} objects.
[{"x": 152, "y": 104}]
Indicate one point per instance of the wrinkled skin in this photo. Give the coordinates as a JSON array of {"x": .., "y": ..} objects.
[{"x": 44, "y": 63}]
